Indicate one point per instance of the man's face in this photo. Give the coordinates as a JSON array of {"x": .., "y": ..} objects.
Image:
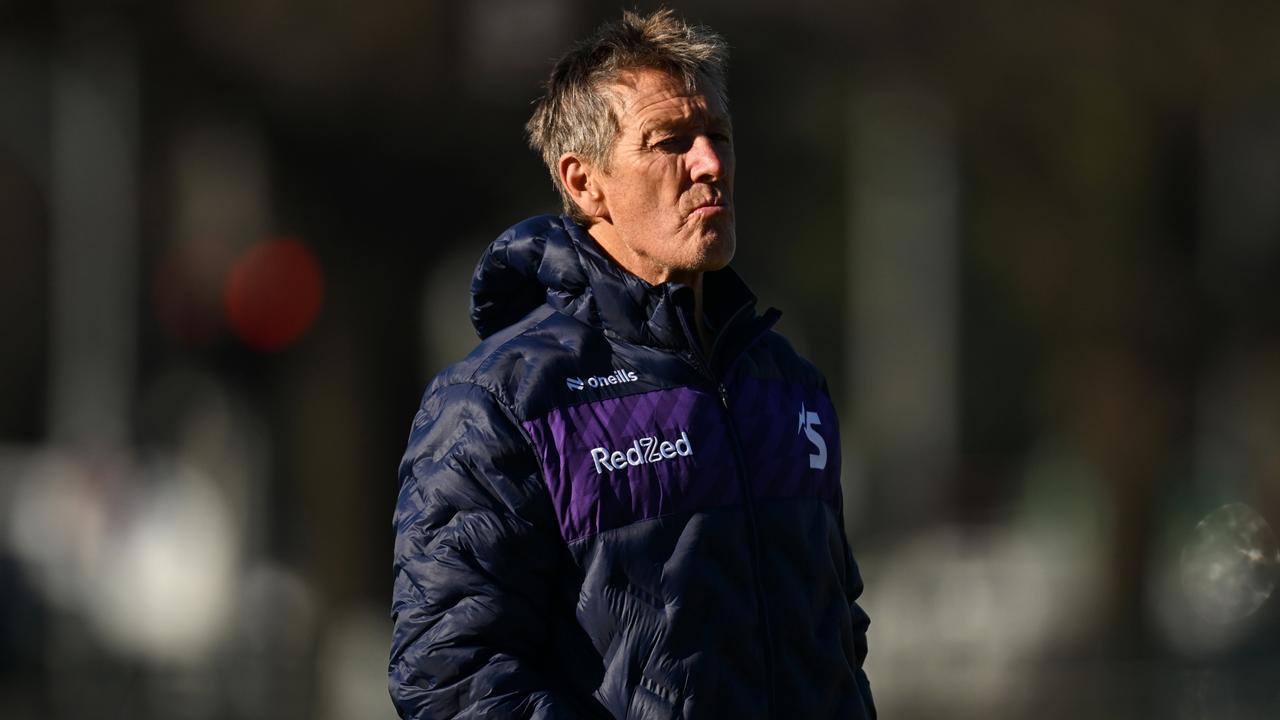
[{"x": 668, "y": 189}]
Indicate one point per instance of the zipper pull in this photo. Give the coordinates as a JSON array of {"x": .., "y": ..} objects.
[{"x": 724, "y": 396}]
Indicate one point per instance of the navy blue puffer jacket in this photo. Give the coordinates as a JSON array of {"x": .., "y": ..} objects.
[{"x": 598, "y": 519}]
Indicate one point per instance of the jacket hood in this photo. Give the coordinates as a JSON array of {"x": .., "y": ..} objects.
[{"x": 551, "y": 259}]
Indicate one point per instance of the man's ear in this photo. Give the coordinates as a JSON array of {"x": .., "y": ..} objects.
[{"x": 580, "y": 179}]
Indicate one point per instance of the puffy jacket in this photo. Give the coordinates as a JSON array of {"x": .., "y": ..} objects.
[{"x": 598, "y": 519}]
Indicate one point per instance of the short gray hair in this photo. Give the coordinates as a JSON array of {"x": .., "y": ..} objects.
[{"x": 575, "y": 114}]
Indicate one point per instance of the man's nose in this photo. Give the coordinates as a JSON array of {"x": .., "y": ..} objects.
[{"x": 706, "y": 161}]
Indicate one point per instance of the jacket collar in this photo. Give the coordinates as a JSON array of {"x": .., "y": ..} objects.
[{"x": 554, "y": 260}]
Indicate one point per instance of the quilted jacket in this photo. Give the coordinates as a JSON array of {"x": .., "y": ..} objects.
[{"x": 596, "y": 518}]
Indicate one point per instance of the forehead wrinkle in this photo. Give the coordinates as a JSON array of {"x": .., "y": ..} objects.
[
  {"x": 640, "y": 104},
  {"x": 635, "y": 97},
  {"x": 662, "y": 87},
  {"x": 684, "y": 114}
]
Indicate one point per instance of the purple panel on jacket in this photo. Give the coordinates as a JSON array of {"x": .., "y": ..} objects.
[
  {"x": 616, "y": 461},
  {"x": 790, "y": 437},
  {"x": 612, "y": 462}
]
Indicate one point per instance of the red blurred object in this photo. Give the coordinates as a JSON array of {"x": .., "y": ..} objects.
[{"x": 273, "y": 293}]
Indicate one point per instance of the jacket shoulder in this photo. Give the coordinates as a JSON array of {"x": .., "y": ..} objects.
[
  {"x": 773, "y": 357},
  {"x": 524, "y": 365}
]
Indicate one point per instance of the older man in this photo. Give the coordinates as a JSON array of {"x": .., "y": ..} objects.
[{"x": 625, "y": 502}]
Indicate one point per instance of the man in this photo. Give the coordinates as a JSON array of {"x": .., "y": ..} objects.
[{"x": 626, "y": 501}]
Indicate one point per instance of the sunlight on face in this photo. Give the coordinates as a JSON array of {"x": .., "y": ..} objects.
[{"x": 668, "y": 190}]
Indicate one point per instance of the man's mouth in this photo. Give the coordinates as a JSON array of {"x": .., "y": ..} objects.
[{"x": 710, "y": 207}]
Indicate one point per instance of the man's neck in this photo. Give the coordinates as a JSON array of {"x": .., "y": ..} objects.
[{"x": 608, "y": 240}]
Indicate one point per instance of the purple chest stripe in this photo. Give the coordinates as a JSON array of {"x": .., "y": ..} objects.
[
  {"x": 616, "y": 461},
  {"x": 612, "y": 462},
  {"x": 791, "y": 439}
]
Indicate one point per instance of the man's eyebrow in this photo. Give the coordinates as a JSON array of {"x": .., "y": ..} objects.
[
  {"x": 652, "y": 127},
  {"x": 711, "y": 121}
]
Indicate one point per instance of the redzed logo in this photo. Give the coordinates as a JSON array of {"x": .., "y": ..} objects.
[{"x": 643, "y": 451}]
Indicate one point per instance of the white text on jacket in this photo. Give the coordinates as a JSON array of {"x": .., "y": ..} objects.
[{"x": 643, "y": 451}]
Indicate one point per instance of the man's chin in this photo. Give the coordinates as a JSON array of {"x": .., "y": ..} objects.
[{"x": 719, "y": 251}]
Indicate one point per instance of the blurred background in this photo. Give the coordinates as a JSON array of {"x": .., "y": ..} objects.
[{"x": 1033, "y": 245}]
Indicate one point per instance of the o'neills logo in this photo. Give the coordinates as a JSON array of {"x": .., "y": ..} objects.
[
  {"x": 642, "y": 452},
  {"x": 616, "y": 378}
]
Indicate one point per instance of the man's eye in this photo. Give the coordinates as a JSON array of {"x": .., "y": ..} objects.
[{"x": 675, "y": 143}]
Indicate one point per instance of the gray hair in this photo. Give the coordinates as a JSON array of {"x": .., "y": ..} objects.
[{"x": 575, "y": 114}]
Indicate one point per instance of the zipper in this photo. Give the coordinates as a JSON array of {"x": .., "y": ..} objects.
[
  {"x": 749, "y": 504},
  {"x": 703, "y": 365}
]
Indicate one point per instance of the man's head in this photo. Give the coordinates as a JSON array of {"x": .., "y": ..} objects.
[{"x": 635, "y": 130}]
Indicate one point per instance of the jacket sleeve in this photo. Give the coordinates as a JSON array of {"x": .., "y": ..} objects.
[
  {"x": 474, "y": 560},
  {"x": 861, "y": 622}
]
